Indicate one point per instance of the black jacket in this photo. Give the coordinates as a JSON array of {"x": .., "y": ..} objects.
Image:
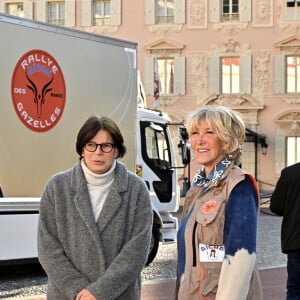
[{"x": 285, "y": 202}]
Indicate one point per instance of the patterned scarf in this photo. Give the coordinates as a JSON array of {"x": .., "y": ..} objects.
[{"x": 200, "y": 179}]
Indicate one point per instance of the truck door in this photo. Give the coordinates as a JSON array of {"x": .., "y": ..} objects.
[{"x": 156, "y": 154}]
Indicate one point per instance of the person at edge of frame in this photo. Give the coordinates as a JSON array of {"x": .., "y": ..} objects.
[{"x": 285, "y": 202}]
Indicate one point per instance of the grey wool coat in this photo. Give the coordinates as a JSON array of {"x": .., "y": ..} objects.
[{"x": 106, "y": 256}]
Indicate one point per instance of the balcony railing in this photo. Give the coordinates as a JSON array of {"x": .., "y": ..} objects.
[
  {"x": 229, "y": 17},
  {"x": 102, "y": 21}
]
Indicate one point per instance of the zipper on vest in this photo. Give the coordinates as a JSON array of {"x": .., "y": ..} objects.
[{"x": 194, "y": 245}]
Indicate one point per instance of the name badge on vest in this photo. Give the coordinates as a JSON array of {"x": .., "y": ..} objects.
[{"x": 211, "y": 253}]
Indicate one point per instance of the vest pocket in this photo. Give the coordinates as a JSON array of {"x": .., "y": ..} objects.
[
  {"x": 211, "y": 217},
  {"x": 210, "y": 272}
]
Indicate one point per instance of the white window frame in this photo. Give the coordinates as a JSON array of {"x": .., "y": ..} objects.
[
  {"x": 10, "y": 6},
  {"x": 104, "y": 19},
  {"x": 215, "y": 74},
  {"x": 27, "y": 5},
  {"x": 295, "y": 80},
  {"x": 166, "y": 75},
  {"x": 87, "y": 13},
  {"x": 230, "y": 76},
  {"x": 215, "y": 11},
  {"x": 292, "y": 10},
  {"x": 42, "y": 9},
  {"x": 150, "y": 12},
  {"x": 230, "y": 15},
  {"x": 179, "y": 76},
  {"x": 280, "y": 74},
  {"x": 59, "y": 18},
  {"x": 166, "y": 17},
  {"x": 292, "y": 150}
]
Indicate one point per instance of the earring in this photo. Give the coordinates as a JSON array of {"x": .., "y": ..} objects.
[{"x": 229, "y": 155}]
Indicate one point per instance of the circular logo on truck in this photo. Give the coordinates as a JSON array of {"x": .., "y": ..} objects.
[{"x": 38, "y": 90}]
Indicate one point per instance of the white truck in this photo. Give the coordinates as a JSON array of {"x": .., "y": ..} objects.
[{"x": 51, "y": 80}]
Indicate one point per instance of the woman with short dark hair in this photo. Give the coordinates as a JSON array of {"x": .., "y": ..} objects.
[{"x": 95, "y": 221}]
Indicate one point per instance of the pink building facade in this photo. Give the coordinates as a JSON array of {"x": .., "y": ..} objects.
[{"x": 239, "y": 53}]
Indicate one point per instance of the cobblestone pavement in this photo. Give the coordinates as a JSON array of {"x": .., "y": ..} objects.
[{"x": 29, "y": 281}]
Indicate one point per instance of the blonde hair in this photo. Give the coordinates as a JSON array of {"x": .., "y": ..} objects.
[{"x": 227, "y": 123}]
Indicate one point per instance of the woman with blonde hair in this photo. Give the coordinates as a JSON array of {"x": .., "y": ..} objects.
[{"x": 220, "y": 214}]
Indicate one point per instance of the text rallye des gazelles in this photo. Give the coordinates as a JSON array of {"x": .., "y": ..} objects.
[{"x": 52, "y": 80}]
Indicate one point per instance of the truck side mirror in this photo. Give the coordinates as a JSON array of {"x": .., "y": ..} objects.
[
  {"x": 184, "y": 152},
  {"x": 183, "y": 133},
  {"x": 183, "y": 146}
]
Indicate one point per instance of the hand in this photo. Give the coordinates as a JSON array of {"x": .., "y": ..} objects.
[{"x": 85, "y": 295}]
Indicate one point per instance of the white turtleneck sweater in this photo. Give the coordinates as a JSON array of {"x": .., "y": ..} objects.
[{"x": 98, "y": 186}]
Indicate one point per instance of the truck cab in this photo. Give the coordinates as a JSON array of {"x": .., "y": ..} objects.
[{"x": 156, "y": 164}]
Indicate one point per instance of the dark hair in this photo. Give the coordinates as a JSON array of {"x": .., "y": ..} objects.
[{"x": 90, "y": 128}]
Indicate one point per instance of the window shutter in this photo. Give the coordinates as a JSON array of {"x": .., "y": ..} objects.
[
  {"x": 179, "y": 75},
  {"x": 279, "y": 74},
  {"x": 70, "y": 13},
  {"x": 245, "y": 74},
  {"x": 289, "y": 13},
  {"x": 115, "y": 12},
  {"x": 179, "y": 11},
  {"x": 149, "y": 6},
  {"x": 214, "y": 79},
  {"x": 149, "y": 75},
  {"x": 41, "y": 10},
  {"x": 214, "y": 14},
  {"x": 245, "y": 10},
  {"x": 279, "y": 154},
  {"x": 86, "y": 13},
  {"x": 28, "y": 10}
]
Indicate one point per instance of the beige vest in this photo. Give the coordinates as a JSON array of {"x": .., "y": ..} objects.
[{"x": 206, "y": 225}]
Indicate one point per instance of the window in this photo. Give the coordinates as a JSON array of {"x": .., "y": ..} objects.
[
  {"x": 161, "y": 12},
  {"x": 172, "y": 74},
  {"x": 292, "y": 3},
  {"x": 293, "y": 74},
  {"x": 102, "y": 13},
  {"x": 292, "y": 10},
  {"x": 230, "y": 10},
  {"x": 165, "y": 11},
  {"x": 15, "y": 9},
  {"x": 166, "y": 75},
  {"x": 230, "y": 75},
  {"x": 56, "y": 13},
  {"x": 293, "y": 150}
]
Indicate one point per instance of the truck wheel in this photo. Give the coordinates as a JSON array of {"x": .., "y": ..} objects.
[{"x": 153, "y": 244}]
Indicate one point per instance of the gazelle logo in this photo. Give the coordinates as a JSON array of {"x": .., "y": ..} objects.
[{"x": 38, "y": 90}]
